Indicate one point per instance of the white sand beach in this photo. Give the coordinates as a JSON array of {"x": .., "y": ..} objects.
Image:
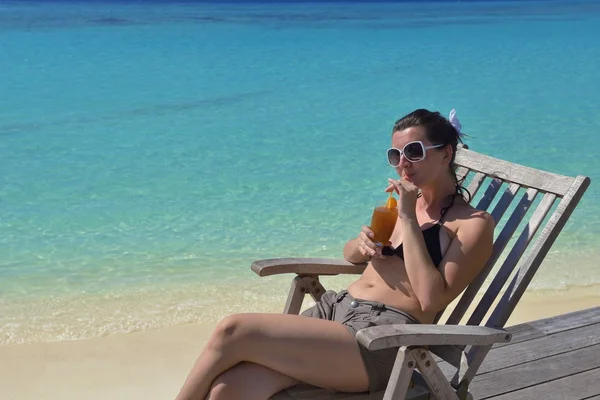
[{"x": 154, "y": 364}]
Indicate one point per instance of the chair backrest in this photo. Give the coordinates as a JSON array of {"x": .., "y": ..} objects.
[{"x": 477, "y": 169}]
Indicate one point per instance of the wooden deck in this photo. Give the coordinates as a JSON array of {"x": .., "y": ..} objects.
[
  {"x": 548, "y": 359},
  {"x": 554, "y": 358}
]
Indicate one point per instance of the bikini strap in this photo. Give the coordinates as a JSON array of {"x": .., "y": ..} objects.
[{"x": 447, "y": 208}]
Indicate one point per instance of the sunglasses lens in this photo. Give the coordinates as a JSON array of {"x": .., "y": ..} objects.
[
  {"x": 413, "y": 152},
  {"x": 393, "y": 157}
]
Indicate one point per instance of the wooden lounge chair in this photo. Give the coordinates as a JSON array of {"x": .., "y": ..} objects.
[{"x": 461, "y": 347}]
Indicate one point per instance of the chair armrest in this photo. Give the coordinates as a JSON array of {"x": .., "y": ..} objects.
[
  {"x": 386, "y": 336},
  {"x": 306, "y": 266}
]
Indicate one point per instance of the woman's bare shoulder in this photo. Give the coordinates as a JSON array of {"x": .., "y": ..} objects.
[{"x": 467, "y": 215}]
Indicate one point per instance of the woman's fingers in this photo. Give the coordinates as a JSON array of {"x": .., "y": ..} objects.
[
  {"x": 369, "y": 247},
  {"x": 365, "y": 250},
  {"x": 400, "y": 186},
  {"x": 395, "y": 185},
  {"x": 362, "y": 250},
  {"x": 406, "y": 185},
  {"x": 365, "y": 244}
]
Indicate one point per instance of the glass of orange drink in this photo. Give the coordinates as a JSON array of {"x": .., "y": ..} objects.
[{"x": 384, "y": 220}]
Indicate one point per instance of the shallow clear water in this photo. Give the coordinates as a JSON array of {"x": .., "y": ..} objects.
[{"x": 150, "y": 153}]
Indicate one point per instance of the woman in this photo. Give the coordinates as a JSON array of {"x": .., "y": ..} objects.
[{"x": 440, "y": 243}]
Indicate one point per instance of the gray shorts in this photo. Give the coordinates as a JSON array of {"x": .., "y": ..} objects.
[{"x": 356, "y": 314}]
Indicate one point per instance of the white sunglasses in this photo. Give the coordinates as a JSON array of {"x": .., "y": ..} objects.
[{"x": 412, "y": 151}]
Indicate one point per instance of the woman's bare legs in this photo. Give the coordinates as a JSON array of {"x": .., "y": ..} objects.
[
  {"x": 318, "y": 352},
  {"x": 248, "y": 381}
]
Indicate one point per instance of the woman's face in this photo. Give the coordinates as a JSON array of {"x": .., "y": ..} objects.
[{"x": 422, "y": 172}]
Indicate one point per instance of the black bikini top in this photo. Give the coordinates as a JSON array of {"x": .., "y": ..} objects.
[
  {"x": 431, "y": 236},
  {"x": 432, "y": 242}
]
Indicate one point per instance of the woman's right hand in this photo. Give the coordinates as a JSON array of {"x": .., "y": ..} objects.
[{"x": 365, "y": 243}]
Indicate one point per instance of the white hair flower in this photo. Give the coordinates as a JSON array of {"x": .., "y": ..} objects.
[{"x": 455, "y": 122}]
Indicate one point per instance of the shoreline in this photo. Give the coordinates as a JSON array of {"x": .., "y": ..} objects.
[
  {"x": 154, "y": 363},
  {"x": 85, "y": 316}
]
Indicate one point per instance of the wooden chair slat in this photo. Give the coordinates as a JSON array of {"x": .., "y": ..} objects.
[
  {"x": 538, "y": 252},
  {"x": 505, "y": 202},
  {"x": 490, "y": 194},
  {"x": 462, "y": 173},
  {"x": 510, "y": 172},
  {"x": 476, "y": 183},
  {"x": 499, "y": 245},
  {"x": 512, "y": 259}
]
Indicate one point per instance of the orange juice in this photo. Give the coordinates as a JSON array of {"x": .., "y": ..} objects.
[{"x": 383, "y": 223}]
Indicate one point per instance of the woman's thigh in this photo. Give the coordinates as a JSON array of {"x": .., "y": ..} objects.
[{"x": 319, "y": 352}]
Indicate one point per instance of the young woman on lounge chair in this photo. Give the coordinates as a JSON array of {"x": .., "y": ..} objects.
[{"x": 440, "y": 243}]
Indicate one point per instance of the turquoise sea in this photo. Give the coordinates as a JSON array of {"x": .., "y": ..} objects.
[{"x": 149, "y": 152}]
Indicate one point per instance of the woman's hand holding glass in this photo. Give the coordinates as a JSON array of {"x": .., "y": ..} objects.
[
  {"x": 366, "y": 245},
  {"x": 383, "y": 220}
]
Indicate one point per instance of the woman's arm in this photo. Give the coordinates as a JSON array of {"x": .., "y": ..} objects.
[{"x": 468, "y": 252}]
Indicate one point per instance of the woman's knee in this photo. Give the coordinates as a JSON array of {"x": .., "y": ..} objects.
[{"x": 229, "y": 330}]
